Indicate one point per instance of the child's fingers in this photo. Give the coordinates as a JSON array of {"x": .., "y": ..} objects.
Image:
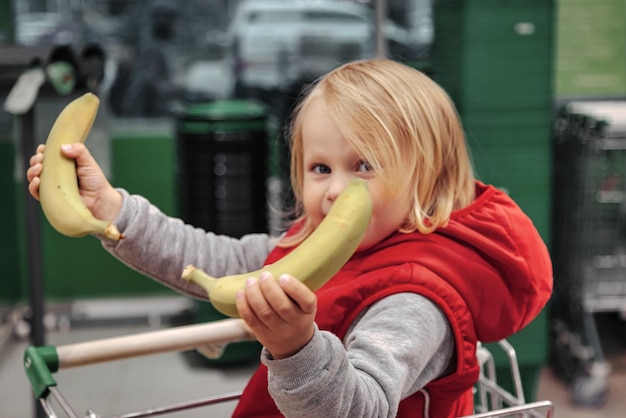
[
  {"x": 37, "y": 158},
  {"x": 33, "y": 171},
  {"x": 299, "y": 293},
  {"x": 281, "y": 303},
  {"x": 272, "y": 304},
  {"x": 73, "y": 150},
  {"x": 243, "y": 308},
  {"x": 33, "y": 187},
  {"x": 260, "y": 311}
]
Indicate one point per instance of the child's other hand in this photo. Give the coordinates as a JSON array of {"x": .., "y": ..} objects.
[
  {"x": 280, "y": 313},
  {"x": 96, "y": 191}
]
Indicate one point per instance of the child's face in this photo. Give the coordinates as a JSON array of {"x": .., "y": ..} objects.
[{"x": 330, "y": 162}]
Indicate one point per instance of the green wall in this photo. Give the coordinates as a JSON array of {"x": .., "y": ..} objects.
[
  {"x": 74, "y": 268},
  {"x": 141, "y": 162},
  {"x": 495, "y": 59}
]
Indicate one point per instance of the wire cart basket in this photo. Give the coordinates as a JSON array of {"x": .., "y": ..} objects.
[
  {"x": 41, "y": 362},
  {"x": 588, "y": 239}
]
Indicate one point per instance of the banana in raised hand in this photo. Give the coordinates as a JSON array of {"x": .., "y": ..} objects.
[
  {"x": 315, "y": 261},
  {"x": 58, "y": 191}
]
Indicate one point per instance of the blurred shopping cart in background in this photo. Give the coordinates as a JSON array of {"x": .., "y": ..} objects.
[{"x": 588, "y": 240}]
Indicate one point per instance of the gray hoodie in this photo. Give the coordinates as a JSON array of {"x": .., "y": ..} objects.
[{"x": 381, "y": 360}]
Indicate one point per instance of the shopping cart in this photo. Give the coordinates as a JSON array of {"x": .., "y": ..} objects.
[
  {"x": 493, "y": 400},
  {"x": 40, "y": 363},
  {"x": 588, "y": 240}
]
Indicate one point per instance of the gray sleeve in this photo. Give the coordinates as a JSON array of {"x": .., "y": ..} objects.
[
  {"x": 394, "y": 349},
  {"x": 160, "y": 246}
]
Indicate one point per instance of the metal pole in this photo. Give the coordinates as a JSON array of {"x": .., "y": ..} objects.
[
  {"x": 33, "y": 236},
  {"x": 33, "y": 245},
  {"x": 381, "y": 16}
]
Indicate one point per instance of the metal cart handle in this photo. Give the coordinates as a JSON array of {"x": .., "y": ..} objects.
[
  {"x": 527, "y": 410},
  {"x": 41, "y": 362}
]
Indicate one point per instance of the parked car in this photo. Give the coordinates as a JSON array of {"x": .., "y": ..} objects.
[
  {"x": 44, "y": 29},
  {"x": 274, "y": 44}
]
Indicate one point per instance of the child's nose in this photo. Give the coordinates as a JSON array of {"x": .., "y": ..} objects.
[{"x": 336, "y": 186}]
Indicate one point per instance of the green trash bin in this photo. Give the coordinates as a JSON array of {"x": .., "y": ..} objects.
[
  {"x": 222, "y": 169},
  {"x": 222, "y": 161}
]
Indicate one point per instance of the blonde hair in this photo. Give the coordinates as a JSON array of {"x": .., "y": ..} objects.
[{"x": 405, "y": 126}]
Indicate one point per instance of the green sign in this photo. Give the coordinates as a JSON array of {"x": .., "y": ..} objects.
[
  {"x": 590, "y": 48},
  {"x": 6, "y": 22}
]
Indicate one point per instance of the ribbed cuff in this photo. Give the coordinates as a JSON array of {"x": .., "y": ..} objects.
[{"x": 296, "y": 371}]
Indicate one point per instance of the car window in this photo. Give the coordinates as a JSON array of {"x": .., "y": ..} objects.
[
  {"x": 327, "y": 16},
  {"x": 274, "y": 16}
]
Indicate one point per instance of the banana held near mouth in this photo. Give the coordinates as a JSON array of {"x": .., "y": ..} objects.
[{"x": 315, "y": 261}]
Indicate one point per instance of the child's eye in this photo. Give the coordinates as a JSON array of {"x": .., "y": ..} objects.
[
  {"x": 364, "y": 166},
  {"x": 321, "y": 169}
]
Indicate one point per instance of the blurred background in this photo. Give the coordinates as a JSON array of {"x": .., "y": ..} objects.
[{"x": 195, "y": 97}]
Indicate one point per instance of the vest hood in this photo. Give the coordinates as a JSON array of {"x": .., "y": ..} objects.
[
  {"x": 493, "y": 256},
  {"x": 516, "y": 281}
]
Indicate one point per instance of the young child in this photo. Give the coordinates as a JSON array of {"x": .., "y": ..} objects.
[{"x": 447, "y": 260}]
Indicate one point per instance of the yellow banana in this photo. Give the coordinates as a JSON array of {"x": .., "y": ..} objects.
[
  {"x": 58, "y": 191},
  {"x": 314, "y": 261}
]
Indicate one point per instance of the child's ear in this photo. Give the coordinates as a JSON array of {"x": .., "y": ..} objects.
[{"x": 406, "y": 226}]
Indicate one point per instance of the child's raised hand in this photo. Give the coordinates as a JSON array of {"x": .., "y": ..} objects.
[
  {"x": 280, "y": 313},
  {"x": 100, "y": 197}
]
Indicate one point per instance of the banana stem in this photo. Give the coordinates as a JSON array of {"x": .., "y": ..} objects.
[
  {"x": 193, "y": 274},
  {"x": 111, "y": 232}
]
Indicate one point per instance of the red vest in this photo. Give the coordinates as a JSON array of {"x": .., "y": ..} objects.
[
  {"x": 342, "y": 299},
  {"x": 488, "y": 271}
]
